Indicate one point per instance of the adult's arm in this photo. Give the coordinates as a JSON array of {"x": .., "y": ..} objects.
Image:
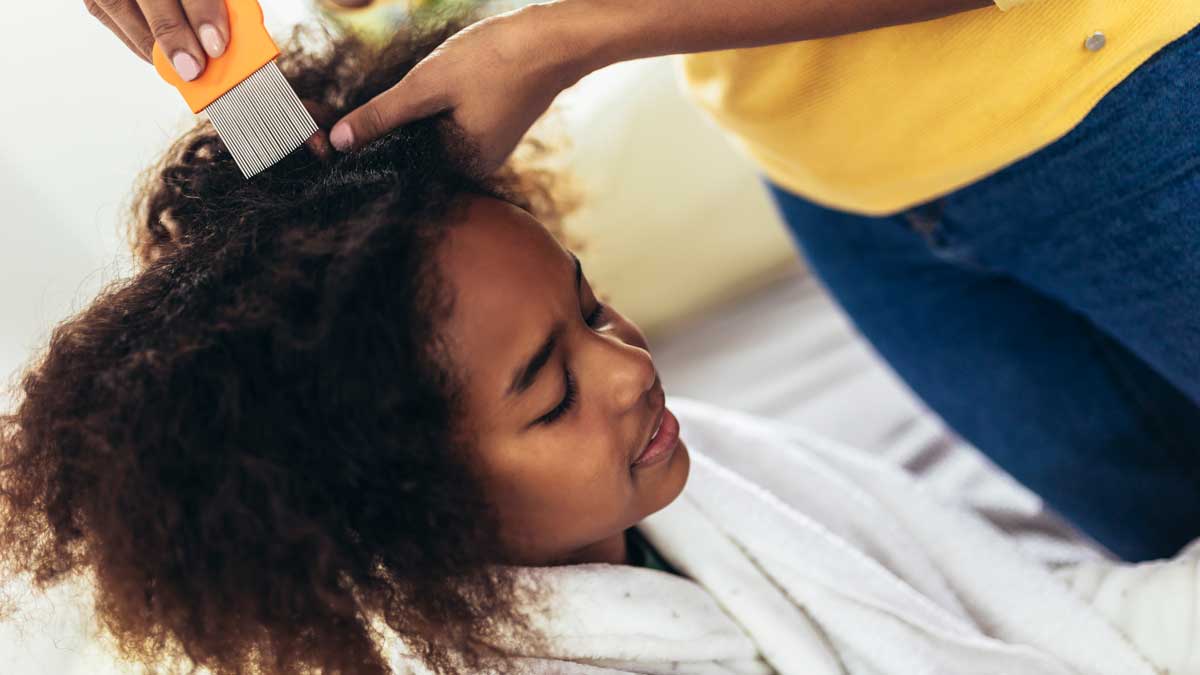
[{"x": 497, "y": 76}]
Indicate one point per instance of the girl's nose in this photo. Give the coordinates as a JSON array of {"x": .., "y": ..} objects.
[{"x": 629, "y": 372}]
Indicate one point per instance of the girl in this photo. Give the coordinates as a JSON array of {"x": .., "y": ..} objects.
[{"x": 1002, "y": 194}]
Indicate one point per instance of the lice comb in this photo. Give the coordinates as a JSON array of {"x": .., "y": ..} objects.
[{"x": 254, "y": 109}]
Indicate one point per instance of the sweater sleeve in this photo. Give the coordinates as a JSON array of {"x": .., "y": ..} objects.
[{"x": 1155, "y": 605}]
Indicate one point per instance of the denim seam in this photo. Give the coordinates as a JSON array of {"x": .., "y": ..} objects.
[
  {"x": 1186, "y": 170},
  {"x": 1024, "y": 272},
  {"x": 929, "y": 221}
]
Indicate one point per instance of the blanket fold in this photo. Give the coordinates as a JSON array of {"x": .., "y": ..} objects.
[{"x": 804, "y": 557}]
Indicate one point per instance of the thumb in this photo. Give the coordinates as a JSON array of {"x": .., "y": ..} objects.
[{"x": 397, "y": 106}]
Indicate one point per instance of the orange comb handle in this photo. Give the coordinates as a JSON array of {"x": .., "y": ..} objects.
[{"x": 250, "y": 48}]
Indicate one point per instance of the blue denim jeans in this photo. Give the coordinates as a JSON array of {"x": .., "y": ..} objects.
[{"x": 1050, "y": 313}]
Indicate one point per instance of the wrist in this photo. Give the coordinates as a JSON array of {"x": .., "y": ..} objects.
[{"x": 576, "y": 37}]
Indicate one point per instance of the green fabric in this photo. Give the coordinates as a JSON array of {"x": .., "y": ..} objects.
[
  {"x": 381, "y": 20},
  {"x": 642, "y": 554}
]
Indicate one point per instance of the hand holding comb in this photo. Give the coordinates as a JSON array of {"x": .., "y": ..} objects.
[{"x": 251, "y": 105}]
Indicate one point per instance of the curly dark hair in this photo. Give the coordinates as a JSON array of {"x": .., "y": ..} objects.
[{"x": 250, "y": 445}]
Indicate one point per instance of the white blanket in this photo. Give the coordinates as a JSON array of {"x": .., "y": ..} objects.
[{"x": 804, "y": 557}]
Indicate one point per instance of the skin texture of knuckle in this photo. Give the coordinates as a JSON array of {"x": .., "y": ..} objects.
[
  {"x": 107, "y": 6},
  {"x": 94, "y": 9},
  {"x": 202, "y": 8},
  {"x": 371, "y": 121},
  {"x": 167, "y": 26}
]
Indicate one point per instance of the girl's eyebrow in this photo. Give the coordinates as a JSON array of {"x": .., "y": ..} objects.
[{"x": 526, "y": 375}]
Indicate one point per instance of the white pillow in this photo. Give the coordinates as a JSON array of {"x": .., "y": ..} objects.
[{"x": 675, "y": 218}]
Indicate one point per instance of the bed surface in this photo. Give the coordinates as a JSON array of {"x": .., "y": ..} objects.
[{"x": 788, "y": 352}]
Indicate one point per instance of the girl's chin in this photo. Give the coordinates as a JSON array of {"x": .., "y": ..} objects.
[{"x": 666, "y": 479}]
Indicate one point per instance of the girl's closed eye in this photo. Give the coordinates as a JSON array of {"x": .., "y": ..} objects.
[
  {"x": 594, "y": 319},
  {"x": 568, "y": 400}
]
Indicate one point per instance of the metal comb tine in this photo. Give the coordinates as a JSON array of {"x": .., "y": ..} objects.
[{"x": 261, "y": 120}]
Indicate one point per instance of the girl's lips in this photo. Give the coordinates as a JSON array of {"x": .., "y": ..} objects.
[{"x": 662, "y": 443}]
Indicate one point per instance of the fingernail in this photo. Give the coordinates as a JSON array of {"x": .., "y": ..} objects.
[
  {"x": 341, "y": 136},
  {"x": 186, "y": 65},
  {"x": 210, "y": 37}
]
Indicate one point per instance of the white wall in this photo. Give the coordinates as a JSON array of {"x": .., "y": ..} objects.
[{"x": 79, "y": 117}]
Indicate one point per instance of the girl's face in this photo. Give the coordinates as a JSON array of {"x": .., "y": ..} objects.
[{"x": 560, "y": 394}]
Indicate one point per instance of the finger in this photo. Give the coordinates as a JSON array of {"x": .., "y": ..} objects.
[
  {"x": 128, "y": 17},
  {"x": 174, "y": 36},
  {"x": 112, "y": 26},
  {"x": 399, "y": 105},
  {"x": 318, "y": 143},
  {"x": 210, "y": 22}
]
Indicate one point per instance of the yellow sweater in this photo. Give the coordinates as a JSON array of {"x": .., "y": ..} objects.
[{"x": 882, "y": 120}]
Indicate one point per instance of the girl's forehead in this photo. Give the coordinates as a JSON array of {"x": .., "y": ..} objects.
[
  {"x": 511, "y": 282},
  {"x": 495, "y": 242}
]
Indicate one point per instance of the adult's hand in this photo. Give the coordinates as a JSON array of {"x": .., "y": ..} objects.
[
  {"x": 188, "y": 31},
  {"x": 495, "y": 77}
]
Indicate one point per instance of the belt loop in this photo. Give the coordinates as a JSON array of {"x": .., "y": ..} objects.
[{"x": 925, "y": 218}]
